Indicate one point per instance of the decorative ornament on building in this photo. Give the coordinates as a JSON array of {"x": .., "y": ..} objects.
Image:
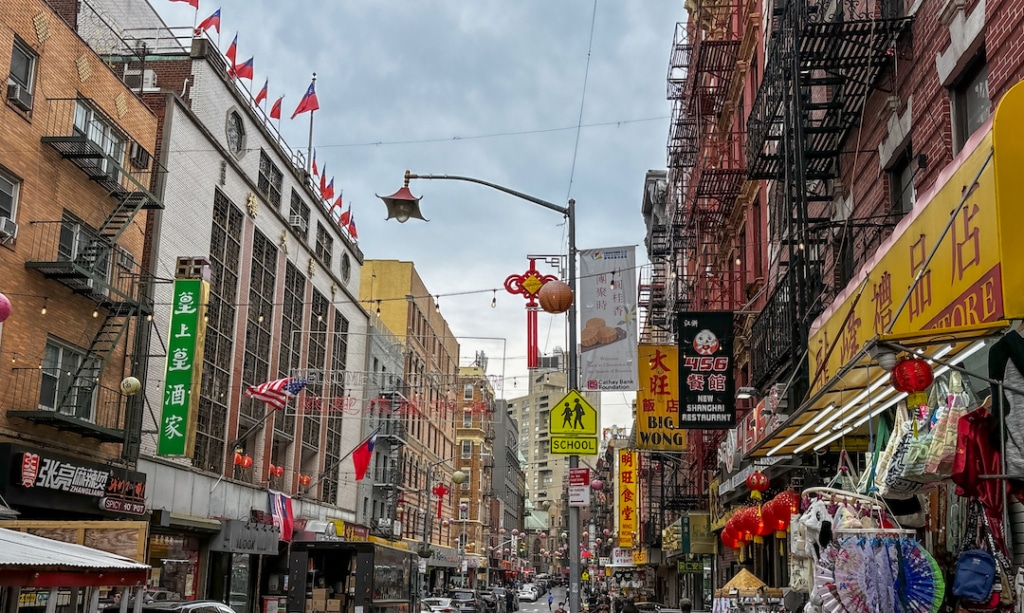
[
  {"x": 311, "y": 267},
  {"x": 305, "y": 480},
  {"x": 252, "y": 205},
  {"x": 283, "y": 241},
  {"x": 130, "y": 386},
  {"x": 597, "y": 485}
]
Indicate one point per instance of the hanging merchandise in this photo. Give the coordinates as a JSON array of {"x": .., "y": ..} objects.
[
  {"x": 895, "y": 485},
  {"x": 866, "y": 485},
  {"x": 1006, "y": 364},
  {"x": 982, "y": 576},
  {"x": 943, "y": 447},
  {"x": 882, "y": 468}
]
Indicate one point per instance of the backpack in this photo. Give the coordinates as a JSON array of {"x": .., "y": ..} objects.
[{"x": 975, "y": 575}]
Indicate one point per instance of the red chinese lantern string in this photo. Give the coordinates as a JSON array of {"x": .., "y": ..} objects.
[
  {"x": 757, "y": 483},
  {"x": 912, "y": 376}
]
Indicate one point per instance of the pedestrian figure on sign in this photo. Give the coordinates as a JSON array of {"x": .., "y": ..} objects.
[
  {"x": 578, "y": 410},
  {"x": 567, "y": 416},
  {"x": 551, "y": 597}
]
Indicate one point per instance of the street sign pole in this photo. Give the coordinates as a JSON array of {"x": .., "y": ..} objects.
[{"x": 573, "y": 380}]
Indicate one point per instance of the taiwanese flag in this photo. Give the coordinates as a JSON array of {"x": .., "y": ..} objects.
[
  {"x": 352, "y": 226},
  {"x": 260, "y": 97},
  {"x": 233, "y": 51},
  {"x": 337, "y": 205},
  {"x": 315, "y": 171},
  {"x": 345, "y": 217},
  {"x": 275, "y": 110},
  {"x": 323, "y": 182},
  {"x": 193, "y": 3},
  {"x": 308, "y": 102},
  {"x": 362, "y": 455},
  {"x": 329, "y": 192},
  {"x": 244, "y": 70},
  {"x": 213, "y": 21}
]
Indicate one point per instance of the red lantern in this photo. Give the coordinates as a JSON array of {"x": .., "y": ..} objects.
[
  {"x": 246, "y": 462},
  {"x": 729, "y": 540},
  {"x": 555, "y": 297},
  {"x": 238, "y": 459},
  {"x": 279, "y": 471},
  {"x": 912, "y": 375},
  {"x": 305, "y": 480},
  {"x": 757, "y": 483}
]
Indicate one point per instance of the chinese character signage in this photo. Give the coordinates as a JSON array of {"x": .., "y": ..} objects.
[
  {"x": 657, "y": 402},
  {"x": 629, "y": 472},
  {"x": 184, "y": 368},
  {"x": 608, "y": 337},
  {"x": 706, "y": 385}
]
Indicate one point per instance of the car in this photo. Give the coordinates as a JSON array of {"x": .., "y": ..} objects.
[
  {"x": 490, "y": 600},
  {"x": 503, "y": 596},
  {"x": 439, "y": 605},
  {"x": 466, "y": 601},
  {"x": 188, "y": 606},
  {"x": 528, "y": 594}
]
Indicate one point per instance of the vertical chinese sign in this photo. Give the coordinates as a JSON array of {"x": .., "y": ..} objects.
[
  {"x": 608, "y": 311},
  {"x": 706, "y": 384},
  {"x": 629, "y": 465},
  {"x": 658, "y": 399},
  {"x": 184, "y": 368}
]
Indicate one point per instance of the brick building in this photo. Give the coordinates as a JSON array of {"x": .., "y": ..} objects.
[{"x": 475, "y": 438}]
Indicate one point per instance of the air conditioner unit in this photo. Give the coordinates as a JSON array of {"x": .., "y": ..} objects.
[
  {"x": 384, "y": 523},
  {"x": 8, "y": 230},
  {"x": 19, "y": 96},
  {"x": 140, "y": 80},
  {"x": 296, "y": 221},
  {"x": 138, "y": 157}
]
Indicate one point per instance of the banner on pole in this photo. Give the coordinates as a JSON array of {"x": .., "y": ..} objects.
[{"x": 608, "y": 336}]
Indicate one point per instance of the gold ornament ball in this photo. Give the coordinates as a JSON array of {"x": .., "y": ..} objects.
[
  {"x": 555, "y": 297},
  {"x": 130, "y": 386}
]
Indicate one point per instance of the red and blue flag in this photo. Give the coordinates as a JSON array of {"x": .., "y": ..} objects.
[
  {"x": 309, "y": 102},
  {"x": 213, "y": 21}
]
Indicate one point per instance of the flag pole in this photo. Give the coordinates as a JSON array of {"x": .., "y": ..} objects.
[
  {"x": 323, "y": 474},
  {"x": 309, "y": 148}
]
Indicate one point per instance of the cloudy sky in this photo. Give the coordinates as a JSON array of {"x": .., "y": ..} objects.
[{"x": 489, "y": 89}]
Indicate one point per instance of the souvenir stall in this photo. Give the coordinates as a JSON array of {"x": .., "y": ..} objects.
[{"x": 745, "y": 593}]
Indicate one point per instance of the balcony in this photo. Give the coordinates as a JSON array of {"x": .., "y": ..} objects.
[{"x": 55, "y": 398}]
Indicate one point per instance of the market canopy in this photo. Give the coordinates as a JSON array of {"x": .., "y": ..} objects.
[
  {"x": 27, "y": 560},
  {"x": 744, "y": 584}
]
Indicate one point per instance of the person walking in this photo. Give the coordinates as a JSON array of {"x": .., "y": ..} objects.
[{"x": 551, "y": 599}]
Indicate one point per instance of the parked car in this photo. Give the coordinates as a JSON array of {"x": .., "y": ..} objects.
[
  {"x": 190, "y": 606},
  {"x": 491, "y": 604},
  {"x": 528, "y": 594},
  {"x": 503, "y": 596},
  {"x": 440, "y": 605},
  {"x": 467, "y": 601}
]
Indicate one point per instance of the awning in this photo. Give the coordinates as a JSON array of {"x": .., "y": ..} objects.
[
  {"x": 861, "y": 390},
  {"x": 28, "y": 560}
]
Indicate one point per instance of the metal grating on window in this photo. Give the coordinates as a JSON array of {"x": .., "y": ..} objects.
[
  {"x": 225, "y": 244},
  {"x": 256, "y": 368},
  {"x": 291, "y": 341},
  {"x": 316, "y": 356}
]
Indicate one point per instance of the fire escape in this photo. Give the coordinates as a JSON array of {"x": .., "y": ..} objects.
[
  {"x": 822, "y": 61},
  {"x": 92, "y": 263},
  {"x": 388, "y": 488}
]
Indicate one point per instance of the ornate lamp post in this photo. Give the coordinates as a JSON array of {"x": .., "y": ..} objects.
[{"x": 403, "y": 206}]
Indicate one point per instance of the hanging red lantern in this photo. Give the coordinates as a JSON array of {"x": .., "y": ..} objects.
[
  {"x": 757, "y": 483},
  {"x": 764, "y": 526},
  {"x": 729, "y": 540},
  {"x": 246, "y": 462},
  {"x": 238, "y": 459},
  {"x": 279, "y": 471},
  {"x": 746, "y": 523},
  {"x": 555, "y": 297},
  {"x": 912, "y": 375},
  {"x": 305, "y": 480}
]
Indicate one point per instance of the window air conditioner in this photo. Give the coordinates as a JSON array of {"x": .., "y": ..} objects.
[
  {"x": 8, "y": 230},
  {"x": 138, "y": 157},
  {"x": 19, "y": 96},
  {"x": 296, "y": 221}
]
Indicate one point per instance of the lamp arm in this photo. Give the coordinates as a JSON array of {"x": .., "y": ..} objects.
[{"x": 544, "y": 203}]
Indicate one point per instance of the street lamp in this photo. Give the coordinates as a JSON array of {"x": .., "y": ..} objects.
[{"x": 403, "y": 206}]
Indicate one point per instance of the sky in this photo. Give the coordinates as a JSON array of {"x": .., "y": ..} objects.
[{"x": 499, "y": 91}]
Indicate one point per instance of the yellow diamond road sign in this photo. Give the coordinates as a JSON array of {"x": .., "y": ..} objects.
[{"x": 573, "y": 415}]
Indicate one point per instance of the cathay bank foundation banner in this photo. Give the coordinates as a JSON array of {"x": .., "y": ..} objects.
[{"x": 608, "y": 335}]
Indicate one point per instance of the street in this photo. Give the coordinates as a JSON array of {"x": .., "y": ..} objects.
[{"x": 541, "y": 606}]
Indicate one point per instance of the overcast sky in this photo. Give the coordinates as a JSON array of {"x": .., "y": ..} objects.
[{"x": 482, "y": 88}]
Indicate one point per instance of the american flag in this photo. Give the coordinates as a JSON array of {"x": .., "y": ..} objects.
[{"x": 276, "y": 393}]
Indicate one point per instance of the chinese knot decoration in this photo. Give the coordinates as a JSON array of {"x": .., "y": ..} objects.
[
  {"x": 757, "y": 483},
  {"x": 440, "y": 491},
  {"x": 528, "y": 285},
  {"x": 912, "y": 376}
]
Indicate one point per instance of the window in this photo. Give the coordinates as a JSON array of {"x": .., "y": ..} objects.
[
  {"x": 346, "y": 267},
  {"x": 467, "y": 449},
  {"x": 971, "y": 105},
  {"x": 75, "y": 240},
  {"x": 100, "y": 130},
  {"x": 8, "y": 195},
  {"x": 298, "y": 215},
  {"x": 467, "y": 419},
  {"x": 901, "y": 183},
  {"x": 324, "y": 244},
  {"x": 270, "y": 178},
  {"x": 467, "y": 391},
  {"x": 236, "y": 134},
  {"x": 60, "y": 365},
  {"x": 23, "y": 66}
]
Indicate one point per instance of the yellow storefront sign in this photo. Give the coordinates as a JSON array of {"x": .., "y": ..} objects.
[
  {"x": 657, "y": 402},
  {"x": 960, "y": 286},
  {"x": 628, "y": 481}
]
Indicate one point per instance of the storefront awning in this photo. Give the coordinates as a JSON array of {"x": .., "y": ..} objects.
[
  {"x": 28, "y": 560},
  {"x": 943, "y": 282}
]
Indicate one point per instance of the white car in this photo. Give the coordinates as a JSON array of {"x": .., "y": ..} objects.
[
  {"x": 439, "y": 605},
  {"x": 528, "y": 594}
]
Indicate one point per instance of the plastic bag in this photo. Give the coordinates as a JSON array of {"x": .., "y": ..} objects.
[{"x": 943, "y": 447}]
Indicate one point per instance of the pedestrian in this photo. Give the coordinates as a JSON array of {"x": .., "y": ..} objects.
[
  {"x": 561, "y": 608},
  {"x": 551, "y": 599},
  {"x": 629, "y": 606}
]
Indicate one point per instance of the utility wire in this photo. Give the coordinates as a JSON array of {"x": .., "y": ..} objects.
[{"x": 583, "y": 99}]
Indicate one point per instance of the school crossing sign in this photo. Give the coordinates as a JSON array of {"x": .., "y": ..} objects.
[{"x": 572, "y": 423}]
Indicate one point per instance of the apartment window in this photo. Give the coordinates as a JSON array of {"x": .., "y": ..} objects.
[
  {"x": 298, "y": 215},
  {"x": 467, "y": 391},
  {"x": 235, "y": 130},
  {"x": 270, "y": 178},
  {"x": 324, "y": 245},
  {"x": 467, "y": 449},
  {"x": 23, "y": 66},
  {"x": 8, "y": 195},
  {"x": 971, "y": 105},
  {"x": 346, "y": 267},
  {"x": 101, "y": 131},
  {"x": 901, "y": 183},
  {"x": 467, "y": 419},
  {"x": 464, "y": 515},
  {"x": 60, "y": 365}
]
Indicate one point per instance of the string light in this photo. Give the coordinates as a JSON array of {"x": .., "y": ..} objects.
[
  {"x": 95, "y": 313},
  {"x": 45, "y": 301},
  {"x": 378, "y": 308},
  {"x": 494, "y": 299},
  {"x": 149, "y": 317}
]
